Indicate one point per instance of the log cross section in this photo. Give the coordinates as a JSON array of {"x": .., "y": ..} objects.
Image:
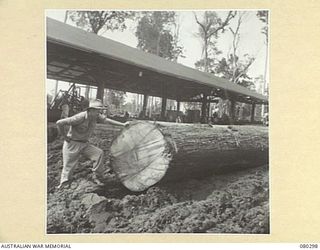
[{"x": 145, "y": 153}]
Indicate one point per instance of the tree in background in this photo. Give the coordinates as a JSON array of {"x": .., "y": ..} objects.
[
  {"x": 235, "y": 68},
  {"x": 158, "y": 33},
  {"x": 259, "y": 83},
  {"x": 115, "y": 98},
  {"x": 263, "y": 16},
  {"x": 209, "y": 29},
  {"x": 96, "y": 21},
  {"x": 231, "y": 67}
]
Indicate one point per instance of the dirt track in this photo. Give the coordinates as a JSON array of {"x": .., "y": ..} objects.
[{"x": 236, "y": 202}]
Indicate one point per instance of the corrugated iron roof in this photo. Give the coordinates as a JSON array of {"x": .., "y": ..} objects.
[{"x": 82, "y": 41}]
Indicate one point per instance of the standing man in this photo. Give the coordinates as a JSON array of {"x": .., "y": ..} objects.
[
  {"x": 76, "y": 141},
  {"x": 65, "y": 109}
]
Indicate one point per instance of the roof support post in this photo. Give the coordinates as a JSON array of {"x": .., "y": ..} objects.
[
  {"x": 140, "y": 102},
  {"x": 99, "y": 77},
  {"x": 86, "y": 93},
  {"x": 178, "y": 105},
  {"x": 144, "y": 106},
  {"x": 204, "y": 109},
  {"x": 253, "y": 111},
  {"x": 163, "y": 108},
  {"x": 208, "y": 110},
  {"x": 164, "y": 102},
  {"x": 264, "y": 109},
  {"x": 150, "y": 106},
  {"x": 232, "y": 110},
  {"x": 100, "y": 91}
]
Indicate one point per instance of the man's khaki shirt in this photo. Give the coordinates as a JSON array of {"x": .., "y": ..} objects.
[{"x": 81, "y": 127}]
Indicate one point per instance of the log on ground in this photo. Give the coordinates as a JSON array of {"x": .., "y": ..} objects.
[{"x": 145, "y": 153}]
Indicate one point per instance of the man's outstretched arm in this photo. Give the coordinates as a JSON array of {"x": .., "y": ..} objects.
[{"x": 104, "y": 119}]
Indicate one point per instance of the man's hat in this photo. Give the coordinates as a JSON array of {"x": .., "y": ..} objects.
[{"x": 96, "y": 104}]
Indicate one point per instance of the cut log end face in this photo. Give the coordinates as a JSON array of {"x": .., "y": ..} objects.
[{"x": 140, "y": 156}]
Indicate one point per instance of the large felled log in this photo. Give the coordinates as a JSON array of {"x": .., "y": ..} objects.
[{"x": 145, "y": 152}]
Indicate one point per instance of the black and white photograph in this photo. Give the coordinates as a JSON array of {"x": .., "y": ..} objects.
[{"x": 157, "y": 121}]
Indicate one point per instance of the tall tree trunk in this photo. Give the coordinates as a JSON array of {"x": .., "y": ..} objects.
[
  {"x": 66, "y": 16},
  {"x": 158, "y": 45},
  {"x": 206, "y": 69}
]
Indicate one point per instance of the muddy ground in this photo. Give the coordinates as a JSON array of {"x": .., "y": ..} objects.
[{"x": 236, "y": 202}]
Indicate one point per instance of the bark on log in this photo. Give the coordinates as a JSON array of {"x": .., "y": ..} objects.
[{"x": 143, "y": 153}]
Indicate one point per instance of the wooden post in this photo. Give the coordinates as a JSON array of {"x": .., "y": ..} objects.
[
  {"x": 137, "y": 101},
  {"x": 150, "y": 107},
  {"x": 163, "y": 108},
  {"x": 105, "y": 94},
  {"x": 100, "y": 91},
  {"x": 141, "y": 102},
  {"x": 164, "y": 102},
  {"x": 144, "y": 107},
  {"x": 178, "y": 106},
  {"x": 204, "y": 109},
  {"x": 86, "y": 93},
  {"x": 208, "y": 110},
  {"x": 100, "y": 79},
  {"x": 253, "y": 111},
  {"x": 232, "y": 111}
]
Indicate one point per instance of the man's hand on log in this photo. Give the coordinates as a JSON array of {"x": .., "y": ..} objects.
[{"x": 126, "y": 124}]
